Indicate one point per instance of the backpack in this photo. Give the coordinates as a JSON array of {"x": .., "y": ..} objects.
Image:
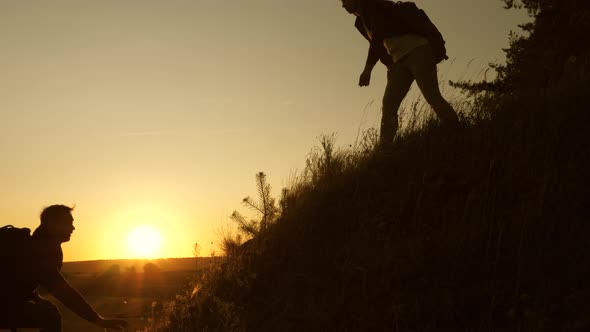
[
  {"x": 418, "y": 22},
  {"x": 15, "y": 250}
]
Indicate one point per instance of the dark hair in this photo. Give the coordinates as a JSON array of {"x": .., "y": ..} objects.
[{"x": 53, "y": 212}]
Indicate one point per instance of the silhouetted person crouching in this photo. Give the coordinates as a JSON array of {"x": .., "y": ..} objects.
[
  {"x": 31, "y": 261},
  {"x": 408, "y": 44}
]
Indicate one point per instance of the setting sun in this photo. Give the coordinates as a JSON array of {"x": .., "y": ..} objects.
[{"x": 144, "y": 242}]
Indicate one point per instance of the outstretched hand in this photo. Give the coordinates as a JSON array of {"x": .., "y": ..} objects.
[
  {"x": 117, "y": 324},
  {"x": 365, "y": 78}
]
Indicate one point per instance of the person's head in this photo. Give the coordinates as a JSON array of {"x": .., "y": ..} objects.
[
  {"x": 57, "y": 222},
  {"x": 351, "y": 6}
]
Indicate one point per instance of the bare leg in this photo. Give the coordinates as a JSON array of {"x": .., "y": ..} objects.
[
  {"x": 423, "y": 67},
  {"x": 399, "y": 80}
]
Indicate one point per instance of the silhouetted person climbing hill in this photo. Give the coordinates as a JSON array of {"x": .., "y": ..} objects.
[
  {"x": 408, "y": 44},
  {"x": 36, "y": 260}
]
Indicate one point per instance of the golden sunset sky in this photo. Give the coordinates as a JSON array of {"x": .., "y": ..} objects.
[{"x": 161, "y": 113}]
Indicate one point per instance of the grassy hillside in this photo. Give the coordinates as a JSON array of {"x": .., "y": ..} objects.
[
  {"x": 480, "y": 230},
  {"x": 486, "y": 229}
]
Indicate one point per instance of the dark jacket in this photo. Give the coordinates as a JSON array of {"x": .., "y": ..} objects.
[{"x": 382, "y": 19}]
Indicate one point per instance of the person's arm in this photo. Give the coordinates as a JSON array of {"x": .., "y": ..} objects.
[
  {"x": 372, "y": 55},
  {"x": 376, "y": 48},
  {"x": 372, "y": 58},
  {"x": 71, "y": 298}
]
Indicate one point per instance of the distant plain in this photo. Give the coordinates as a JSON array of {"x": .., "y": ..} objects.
[{"x": 130, "y": 289}]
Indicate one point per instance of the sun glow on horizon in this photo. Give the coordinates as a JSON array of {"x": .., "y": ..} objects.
[{"x": 144, "y": 242}]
